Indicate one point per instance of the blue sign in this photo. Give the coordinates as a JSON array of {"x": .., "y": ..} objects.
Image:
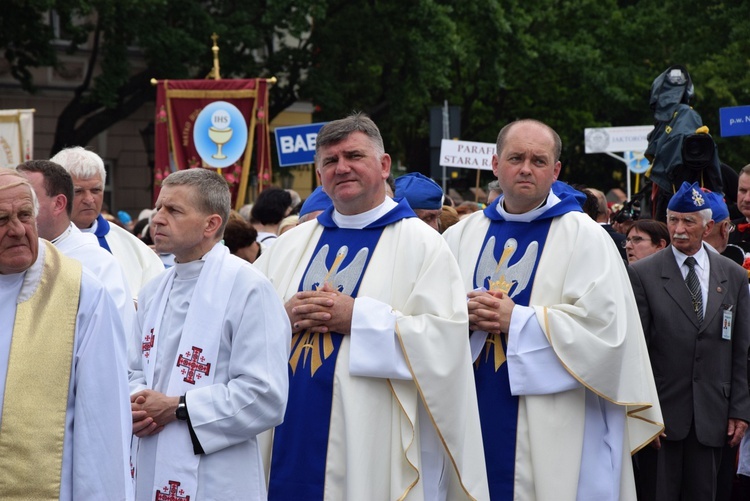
[
  {"x": 220, "y": 134},
  {"x": 735, "y": 121},
  {"x": 295, "y": 145},
  {"x": 637, "y": 163}
]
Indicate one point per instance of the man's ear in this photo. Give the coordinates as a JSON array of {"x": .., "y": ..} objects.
[
  {"x": 61, "y": 204},
  {"x": 707, "y": 229},
  {"x": 213, "y": 223}
]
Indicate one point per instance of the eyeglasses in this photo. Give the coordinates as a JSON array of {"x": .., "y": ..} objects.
[
  {"x": 634, "y": 240},
  {"x": 730, "y": 227}
]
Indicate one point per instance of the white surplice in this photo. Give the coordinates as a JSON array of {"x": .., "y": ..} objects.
[
  {"x": 85, "y": 248},
  {"x": 95, "y": 450},
  {"x": 404, "y": 411},
  {"x": 576, "y": 358},
  {"x": 249, "y": 390}
]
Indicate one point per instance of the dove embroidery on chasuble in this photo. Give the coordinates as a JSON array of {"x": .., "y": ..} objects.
[{"x": 507, "y": 262}]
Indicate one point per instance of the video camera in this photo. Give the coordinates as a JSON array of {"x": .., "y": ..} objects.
[{"x": 631, "y": 210}]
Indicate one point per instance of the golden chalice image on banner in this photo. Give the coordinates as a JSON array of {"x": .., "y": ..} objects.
[{"x": 220, "y": 137}]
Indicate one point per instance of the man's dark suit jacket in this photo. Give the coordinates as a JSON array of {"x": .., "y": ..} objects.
[
  {"x": 739, "y": 237},
  {"x": 619, "y": 239},
  {"x": 698, "y": 374}
]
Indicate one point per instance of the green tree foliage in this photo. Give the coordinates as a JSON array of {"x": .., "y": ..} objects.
[
  {"x": 256, "y": 39},
  {"x": 571, "y": 63},
  {"x": 389, "y": 59}
]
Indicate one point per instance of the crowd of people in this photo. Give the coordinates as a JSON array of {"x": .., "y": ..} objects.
[{"x": 374, "y": 341}]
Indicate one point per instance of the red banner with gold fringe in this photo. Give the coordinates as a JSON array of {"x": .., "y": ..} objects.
[{"x": 213, "y": 124}]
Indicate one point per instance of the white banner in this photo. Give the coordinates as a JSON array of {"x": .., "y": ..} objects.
[
  {"x": 466, "y": 154},
  {"x": 617, "y": 139},
  {"x": 16, "y": 137}
]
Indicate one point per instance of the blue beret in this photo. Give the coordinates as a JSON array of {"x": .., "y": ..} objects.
[
  {"x": 420, "y": 191},
  {"x": 124, "y": 217},
  {"x": 719, "y": 210},
  {"x": 689, "y": 198},
  {"x": 318, "y": 200}
]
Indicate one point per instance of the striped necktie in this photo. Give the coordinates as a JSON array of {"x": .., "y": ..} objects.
[{"x": 694, "y": 286}]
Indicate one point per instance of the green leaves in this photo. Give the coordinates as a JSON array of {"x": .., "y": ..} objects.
[{"x": 571, "y": 63}]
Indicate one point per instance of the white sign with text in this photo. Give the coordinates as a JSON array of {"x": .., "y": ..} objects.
[
  {"x": 617, "y": 139},
  {"x": 466, "y": 154}
]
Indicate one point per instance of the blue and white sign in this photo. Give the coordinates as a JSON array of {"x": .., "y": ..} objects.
[
  {"x": 220, "y": 134},
  {"x": 636, "y": 162},
  {"x": 735, "y": 121},
  {"x": 295, "y": 144}
]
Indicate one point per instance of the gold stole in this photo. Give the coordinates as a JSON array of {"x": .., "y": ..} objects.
[{"x": 37, "y": 383}]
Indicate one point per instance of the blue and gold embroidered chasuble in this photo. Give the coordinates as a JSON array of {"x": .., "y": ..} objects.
[
  {"x": 300, "y": 444},
  {"x": 507, "y": 262}
]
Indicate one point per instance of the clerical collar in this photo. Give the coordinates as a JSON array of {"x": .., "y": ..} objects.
[
  {"x": 359, "y": 221},
  {"x": 188, "y": 270},
  {"x": 193, "y": 268},
  {"x": 531, "y": 215},
  {"x": 62, "y": 236}
]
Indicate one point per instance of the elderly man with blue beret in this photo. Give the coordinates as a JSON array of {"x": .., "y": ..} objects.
[{"x": 694, "y": 306}]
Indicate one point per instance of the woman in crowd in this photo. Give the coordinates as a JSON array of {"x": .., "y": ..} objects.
[{"x": 645, "y": 237}]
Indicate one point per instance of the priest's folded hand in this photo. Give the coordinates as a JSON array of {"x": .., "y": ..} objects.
[
  {"x": 309, "y": 310},
  {"x": 159, "y": 411},
  {"x": 143, "y": 425},
  {"x": 489, "y": 311},
  {"x": 341, "y": 311}
]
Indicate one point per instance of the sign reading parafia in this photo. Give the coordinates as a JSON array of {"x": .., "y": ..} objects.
[{"x": 466, "y": 154}]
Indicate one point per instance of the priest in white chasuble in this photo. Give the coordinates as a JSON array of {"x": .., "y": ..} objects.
[
  {"x": 382, "y": 402},
  {"x": 63, "y": 373},
  {"x": 565, "y": 388},
  {"x": 208, "y": 357}
]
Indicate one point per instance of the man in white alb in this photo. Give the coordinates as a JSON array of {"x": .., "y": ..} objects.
[
  {"x": 63, "y": 374},
  {"x": 139, "y": 263},
  {"x": 54, "y": 191},
  {"x": 208, "y": 357}
]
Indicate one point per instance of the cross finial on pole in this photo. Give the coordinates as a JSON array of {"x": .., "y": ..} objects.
[{"x": 214, "y": 73}]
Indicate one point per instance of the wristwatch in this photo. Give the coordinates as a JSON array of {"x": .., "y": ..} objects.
[{"x": 181, "y": 412}]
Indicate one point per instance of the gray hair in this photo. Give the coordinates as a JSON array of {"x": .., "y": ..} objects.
[
  {"x": 338, "y": 130},
  {"x": 81, "y": 163},
  {"x": 22, "y": 181},
  {"x": 557, "y": 149},
  {"x": 705, "y": 214},
  {"x": 212, "y": 191}
]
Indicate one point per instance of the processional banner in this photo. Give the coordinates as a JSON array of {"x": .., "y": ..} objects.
[
  {"x": 213, "y": 124},
  {"x": 16, "y": 137}
]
